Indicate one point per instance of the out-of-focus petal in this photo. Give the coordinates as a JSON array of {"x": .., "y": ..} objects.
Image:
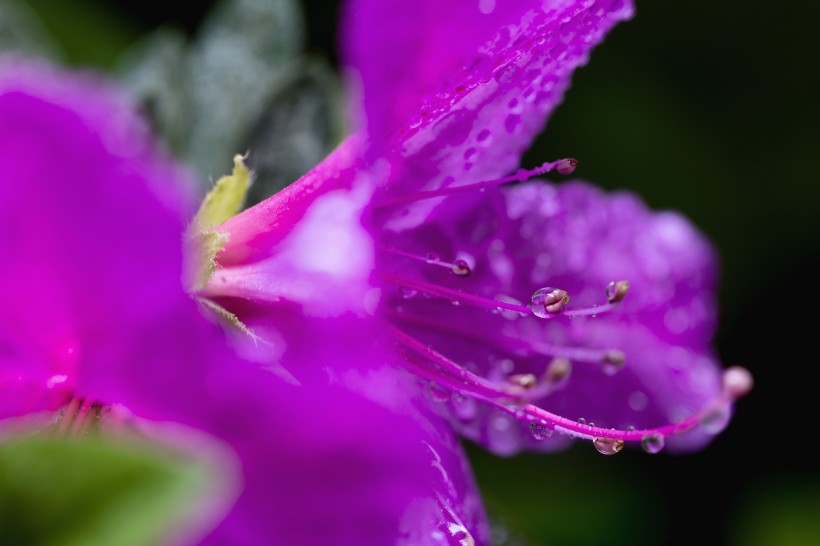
[{"x": 90, "y": 219}]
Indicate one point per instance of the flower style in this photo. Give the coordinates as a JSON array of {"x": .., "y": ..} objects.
[
  {"x": 95, "y": 317},
  {"x": 449, "y": 113}
]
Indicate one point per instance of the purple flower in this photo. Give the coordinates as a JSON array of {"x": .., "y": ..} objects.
[
  {"x": 510, "y": 302},
  {"x": 95, "y": 316}
]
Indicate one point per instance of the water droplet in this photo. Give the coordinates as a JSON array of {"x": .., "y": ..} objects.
[
  {"x": 630, "y": 428},
  {"x": 566, "y": 166},
  {"x": 582, "y": 421},
  {"x": 408, "y": 293},
  {"x": 608, "y": 446},
  {"x": 455, "y": 303},
  {"x": 716, "y": 419},
  {"x": 652, "y": 443},
  {"x": 548, "y": 301},
  {"x": 432, "y": 258},
  {"x": 460, "y": 268},
  {"x": 616, "y": 291},
  {"x": 539, "y": 431},
  {"x": 438, "y": 393},
  {"x": 612, "y": 362}
]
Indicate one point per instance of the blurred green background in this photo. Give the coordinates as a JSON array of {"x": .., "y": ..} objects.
[{"x": 707, "y": 108}]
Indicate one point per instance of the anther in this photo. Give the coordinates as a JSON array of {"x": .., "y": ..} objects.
[
  {"x": 548, "y": 301},
  {"x": 558, "y": 371},
  {"x": 566, "y": 166},
  {"x": 523, "y": 380},
  {"x": 613, "y": 362},
  {"x": 616, "y": 291},
  {"x": 737, "y": 382}
]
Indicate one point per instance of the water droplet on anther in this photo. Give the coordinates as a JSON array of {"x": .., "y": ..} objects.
[
  {"x": 616, "y": 291},
  {"x": 548, "y": 301},
  {"x": 432, "y": 258},
  {"x": 539, "y": 431},
  {"x": 608, "y": 446},
  {"x": 566, "y": 166},
  {"x": 613, "y": 362},
  {"x": 460, "y": 268},
  {"x": 652, "y": 443}
]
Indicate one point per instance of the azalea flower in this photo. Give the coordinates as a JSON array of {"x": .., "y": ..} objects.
[
  {"x": 96, "y": 320},
  {"x": 510, "y": 303}
]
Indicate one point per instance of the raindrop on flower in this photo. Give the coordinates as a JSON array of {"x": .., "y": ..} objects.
[
  {"x": 582, "y": 421},
  {"x": 408, "y": 293},
  {"x": 616, "y": 291},
  {"x": 716, "y": 419},
  {"x": 460, "y": 268},
  {"x": 539, "y": 431},
  {"x": 548, "y": 301},
  {"x": 652, "y": 443},
  {"x": 432, "y": 258},
  {"x": 608, "y": 446}
]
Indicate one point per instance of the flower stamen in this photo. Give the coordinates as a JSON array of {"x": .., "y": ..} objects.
[{"x": 562, "y": 166}]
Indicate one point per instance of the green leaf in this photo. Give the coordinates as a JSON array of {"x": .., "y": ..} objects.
[
  {"x": 299, "y": 127},
  {"x": 153, "y": 71},
  {"x": 246, "y": 51},
  {"x": 72, "y": 492},
  {"x": 22, "y": 31}
]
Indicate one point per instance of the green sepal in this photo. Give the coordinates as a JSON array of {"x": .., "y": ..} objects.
[{"x": 226, "y": 198}]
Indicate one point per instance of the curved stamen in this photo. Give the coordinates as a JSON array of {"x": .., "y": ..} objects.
[
  {"x": 506, "y": 343},
  {"x": 562, "y": 166},
  {"x": 458, "y": 267},
  {"x": 465, "y": 382}
]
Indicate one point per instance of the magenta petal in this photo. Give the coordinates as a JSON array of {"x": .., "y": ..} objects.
[
  {"x": 454, "y": 95},
  {"x": 90, "y": 220},
  {"x": 576, "y": 238}
]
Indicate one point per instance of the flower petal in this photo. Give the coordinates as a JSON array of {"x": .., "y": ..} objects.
[
  {"x": 89, "y": 224},
  {"x": 576, "y": 238},
  {"x": 455, "y": 92}
]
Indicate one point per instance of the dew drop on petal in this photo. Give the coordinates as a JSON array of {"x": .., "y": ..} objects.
[
  {"x": 608, "y": 446},
  {"x": 460, "y": 268},
  {"x": 540, "y": 432},
  {"x": 652, "y": 443},
  {"x": 548, "y": 301}
]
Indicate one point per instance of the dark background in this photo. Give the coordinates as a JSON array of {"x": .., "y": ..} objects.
[{"x": 704, "y": 107}]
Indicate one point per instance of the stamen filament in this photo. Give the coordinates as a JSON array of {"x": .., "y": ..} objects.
[
  {"x": 465, "y": 382},
  {"x": 563, "y": 166},
  {"x": 452, "y": 295}
]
